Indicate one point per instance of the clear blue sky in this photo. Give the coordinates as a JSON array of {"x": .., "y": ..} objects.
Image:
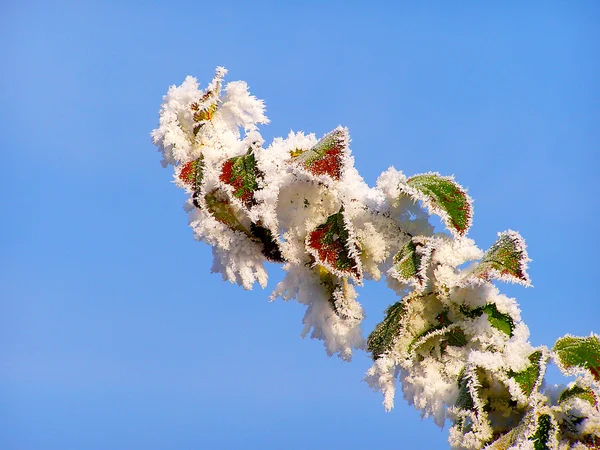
[{"x": 113, "y": 333}]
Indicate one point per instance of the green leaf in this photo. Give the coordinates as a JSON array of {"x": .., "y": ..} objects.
[
  {"x": 327, "y": 156},
  {"x": 331, "y": 246},
  {"x": 505, "y": 260},
  {"x": 336, "y": 291},
  {"x": 381, "y": 340},
  {"x": 528, "y": 377},
  {"x": 442, "y": 322},
  {"x": 221, "y": 210},
  {"x": 241, "y": 173},
  {"x": 543, "y": 431},
  {"x": 455, "y": 337},
  {"x": 498, "y": 320},
  {"x": 578, "y": 352},
  {"x": 409, "y": 262},
  {"x": 584, "y": 393},
  {"x": 465, "y": 399},
  {"x": 444, "y": 197}
]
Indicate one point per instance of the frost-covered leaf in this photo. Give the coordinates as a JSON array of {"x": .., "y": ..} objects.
[
  {"x": 444, "y": 197},
  {"x": 191, "y": 173},
  {"x": 222, "y": 211},
  {"x": 332, "y": 286},
  {"x": 204, "y": 109},
  {"x": 576, "y": 391},
  {"x": 327, "y": 156},
  {"x": 270, "y": 249},
  {"x": 442, "y": 322},
  {"x": 332, "y": 247},
  {"x": 241, "y": 173},
  {"x": 579, "y": 353},
  {"x": 505, "y": 260},
  {"x": 455, "y": 337},
  {"x": 410, "y": 263},
  {"x": 498, "y": 320},
  {"x": 528, "y": 378},
  {"x": 464, "y": 399},
  {"x": 543, "y": 437},
  {"x": 381, "y": 340}
]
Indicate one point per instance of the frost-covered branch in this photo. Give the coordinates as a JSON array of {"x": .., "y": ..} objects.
[{"x": 457, "y": 344}]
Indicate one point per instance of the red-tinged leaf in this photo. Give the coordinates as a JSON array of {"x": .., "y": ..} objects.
[
  {"x": 327, "y": 156},
  {"x": 192, "y": 172},
  {"x": 505, "y": 260},
  {"x": 331, "y": 246},
  {"x": 241, "y": 173}
]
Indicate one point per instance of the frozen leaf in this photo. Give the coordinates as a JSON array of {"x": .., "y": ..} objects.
[
  {"x": 465, "y": 398},
  {"x": 505, "y": 260},
  {"x": 336, "y": 290},
  {"x": 410, "y": 263},
  {"x": 584, "y": 393},
  {"x": 506, "y": 441},
  {"x": 498, "y": 320},
  {"x": 455, "y": 337},
  {"x": 191, "y": 174},
  {"x": 240, "y": 172},
  {"x": 204, "y": 109},
  {"x": 381, "y": 340},
  {"x": 331, "y": 246},
  {"x": 544, "y": 430},
  {"x": 579, "y": 353},
  {"x": 327, "y": 156},
  {"x": 442, "y": 322},
  {"x": 444, "y": 197},
  {"x": 528, "y": 378},
  {"x": 221, "y": 210}
]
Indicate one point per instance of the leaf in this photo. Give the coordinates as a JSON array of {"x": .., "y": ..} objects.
[
  {"x": 411, "y": 261},
  {"x": 331, "y": 246},
  {"x": 581, "y": 353},
  {"x": 337, "y": 290},
  {"x": 381, "y": 340},
  {"x": 444, "y": 197},
  {"x": 543, "y": 433},
  {"x": 455, "y": 337},
  {"x": 498, "y": 320},
  {"x": 327, "y": 156},
  {"x": 270, "y": 249},
  {"x": 204, "y": 109},
  {"x": 221, "y": 210},
  {"x": 505, "y": 260},
  {"x": 240, "y": 172},
  {"x": 191, "y": 173},
  {"x": 584, "y": 393},
  {"x": 442, "y": 322},
  {"x": 465, "y": 399},
  {"x": 529, "y": 377}
]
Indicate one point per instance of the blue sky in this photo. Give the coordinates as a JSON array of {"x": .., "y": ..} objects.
[{"x": 113, "y": 332}]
